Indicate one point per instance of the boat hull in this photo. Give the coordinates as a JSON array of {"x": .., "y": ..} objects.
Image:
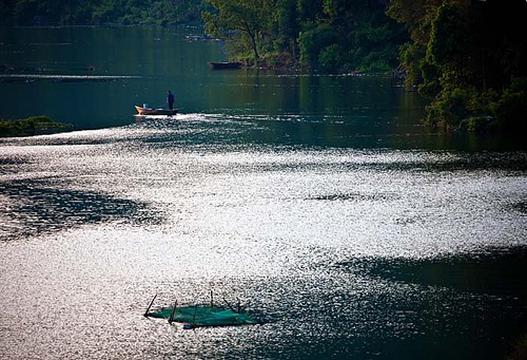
[
  {"x": 225, "y": 65},
  {"x": 148, "y": 111}
]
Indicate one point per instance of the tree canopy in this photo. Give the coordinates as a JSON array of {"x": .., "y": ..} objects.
[
  {"x": 469, "y": 58},
  {"x": 244, "y": 21},
  {"x": 81, "y": 12},
  {"x": 321, "y": 35}
]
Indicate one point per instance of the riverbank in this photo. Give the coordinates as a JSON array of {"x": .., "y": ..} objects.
[{"x": 30, "y": 126}]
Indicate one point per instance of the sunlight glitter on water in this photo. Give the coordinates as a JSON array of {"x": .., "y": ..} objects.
[
  {"x": 369, "y": 202},
  {"x": 96, "y": 222}
]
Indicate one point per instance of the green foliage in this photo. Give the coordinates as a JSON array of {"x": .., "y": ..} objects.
[
  {"x": 75, "y": 12},
  {"x": 34, "y": 125},
  {"x": 478, "y": 124},
  {"x": 313, "y": 41},
  {"x": 246, "y": 20},
  {"x": 429, "y": 76},
  {"x": 309, "y": 10},
  {"x": 331, "y": 57},
  {"x": 450, "y": 108},
  {"x": 411, "y": 55},
  {"x": 468, "y": 59},
  {"x": 449, "y": 34},
  {"x": 321, "y": 35},
  {"x": 416, "y": 15},
  {"x": 474, "y": 110},
  {"x": 286, "y": 27},
  {"x": 375, "y": 62},
  {"x": 511, "y": 109},
  {"x": 463, "y": 109}
]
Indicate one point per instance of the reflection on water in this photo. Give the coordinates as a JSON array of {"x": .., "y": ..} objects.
[
  {"x": 94, "y": 89},
  {"x": 342, "y": 252}
]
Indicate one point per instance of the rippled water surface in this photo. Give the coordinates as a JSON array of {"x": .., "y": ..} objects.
[{"x": 346, "y": 231}]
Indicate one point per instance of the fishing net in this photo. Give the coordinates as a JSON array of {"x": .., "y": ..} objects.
[{"x": 201, "y": 315}]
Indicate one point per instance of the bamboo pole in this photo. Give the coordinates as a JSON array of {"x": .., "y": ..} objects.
[
  {"x": 149, "y": 306},
  {"x": 228, "y": 304},
  {"x": 171, "y": 318}
]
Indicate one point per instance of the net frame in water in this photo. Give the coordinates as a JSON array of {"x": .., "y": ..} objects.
[{"x": 200, "y": 315}]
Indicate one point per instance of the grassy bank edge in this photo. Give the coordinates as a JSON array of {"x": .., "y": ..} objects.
[{"x": 30, "y": 126}]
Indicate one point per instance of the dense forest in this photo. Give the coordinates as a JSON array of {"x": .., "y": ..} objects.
[
  {"x": 322, "y": 35},
  {"x": 468, "y": 57},
  {"x": 99, "y": 12}
]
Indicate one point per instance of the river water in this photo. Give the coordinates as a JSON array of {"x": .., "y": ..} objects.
[{"x": 342, "y": 224}]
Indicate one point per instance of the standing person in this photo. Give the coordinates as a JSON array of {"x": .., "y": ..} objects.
[{"x": 170, "y": 100}]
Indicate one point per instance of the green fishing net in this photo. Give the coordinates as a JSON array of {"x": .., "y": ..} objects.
[{"x": 201, "y": 315}]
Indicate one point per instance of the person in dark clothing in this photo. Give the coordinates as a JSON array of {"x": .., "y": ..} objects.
[{"x": 170, "y": 100}]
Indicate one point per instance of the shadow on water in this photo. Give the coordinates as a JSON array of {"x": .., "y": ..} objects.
[
  {"x": 495, "y": 272},
  {"x": 468, "y": 306},
  {"x": 520, "y": 207},
  {"x": 35, "y": 207}
]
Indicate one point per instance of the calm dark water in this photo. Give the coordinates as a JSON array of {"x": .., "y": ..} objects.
[
  {"x": 143, "y": 63},
  {"x": 343, "y": 225}
]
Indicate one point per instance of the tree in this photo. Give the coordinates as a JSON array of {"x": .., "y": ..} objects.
[
  {"x": 248, "y": 18},
  {"x": 287, "y": 25},
  {"x": 465, "y": 57},
  {"x": 73, "y": 12}
]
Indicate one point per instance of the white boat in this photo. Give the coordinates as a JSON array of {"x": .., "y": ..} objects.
[{"x": 149, "y": 111}]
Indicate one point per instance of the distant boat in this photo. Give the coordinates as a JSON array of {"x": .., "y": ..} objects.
[
  {"x": 225, "y": 65},
  {"x": 150, "y": 111}
]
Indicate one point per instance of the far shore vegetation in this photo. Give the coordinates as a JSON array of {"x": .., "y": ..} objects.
[
  {"x": 99, "y": 12},
  {"x": 338, "y": 36},
  {"x": 467, "y": 57},
  {"x": 33, "y": 125}
]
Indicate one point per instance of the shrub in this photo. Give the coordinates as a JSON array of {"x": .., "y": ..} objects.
[
  {"x": 34, "y": 125},
  {"x": 449, "y": 108},
  {"x": 511, "y": 109},
  {"x": 312, "y": 41},
  {"x": 331, "y": 58}
]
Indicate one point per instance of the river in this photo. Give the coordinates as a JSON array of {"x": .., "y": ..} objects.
[{"x": 343, "y": 225}]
